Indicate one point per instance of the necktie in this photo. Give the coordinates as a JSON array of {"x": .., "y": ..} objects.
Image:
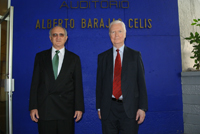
[
  {"x": 55, "y": 62},
  {"x": 117, "y": 92}
]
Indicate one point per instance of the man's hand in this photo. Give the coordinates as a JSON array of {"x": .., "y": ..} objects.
[
  {"x": 99, "y": 114},
  {"x": 78, "y": 115},
  {"x": 34, "y": 115},
  {"x": 140, "y": 116}
]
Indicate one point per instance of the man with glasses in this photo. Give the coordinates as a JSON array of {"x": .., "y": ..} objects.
[{"x": 56, "y": 95}]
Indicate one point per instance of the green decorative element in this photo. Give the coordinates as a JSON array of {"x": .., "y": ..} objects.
[
  {"x": 55, "y": 62},
  {"x": 195, "y": 41}
]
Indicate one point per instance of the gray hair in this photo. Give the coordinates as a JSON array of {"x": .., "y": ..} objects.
[
  {"x": 117, "y": 22},
  {"x": 60, "y": 27}
]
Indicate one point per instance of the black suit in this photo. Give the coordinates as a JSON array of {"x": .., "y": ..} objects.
[
  {"x": 132, "y": 83},
  {"x": 56, "y": 99}
]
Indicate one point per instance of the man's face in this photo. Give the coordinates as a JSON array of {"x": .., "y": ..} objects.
[
  {"x": 58, "y": 37},
  {"x": 117, "y": 35}
]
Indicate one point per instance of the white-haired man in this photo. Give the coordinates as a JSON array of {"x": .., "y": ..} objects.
[{"x": 121, "y": 96}]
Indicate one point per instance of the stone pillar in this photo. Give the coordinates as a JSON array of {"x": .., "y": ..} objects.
[{"x": 191, "y": 101}]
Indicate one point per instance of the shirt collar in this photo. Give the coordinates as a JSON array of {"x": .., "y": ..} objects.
[
  {"x": 121, "y": 49},
  {"x": 61, "y": 50}
]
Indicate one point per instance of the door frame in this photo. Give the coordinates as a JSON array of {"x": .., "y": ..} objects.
[{"x": 9, "y": 82}]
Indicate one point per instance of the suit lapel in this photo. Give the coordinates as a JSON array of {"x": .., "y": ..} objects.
[
  {"x": 48, "y": 64},
  {"x": 125, "y": 63},
  {"x": 109, "y": 62},
  {"x": 109, "y": 70}
]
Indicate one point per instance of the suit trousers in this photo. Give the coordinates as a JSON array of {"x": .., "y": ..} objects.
[
  {"x": 56, "y": 126},
  {"x": 118, "y": 122}
]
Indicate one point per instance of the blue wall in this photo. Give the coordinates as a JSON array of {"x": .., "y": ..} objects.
[{"x": 159, "y": 46}]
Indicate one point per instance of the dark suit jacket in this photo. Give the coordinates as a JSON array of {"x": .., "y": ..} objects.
[
  {"x": 56, "y": 99},
  {"x": 132, "y": 82}
]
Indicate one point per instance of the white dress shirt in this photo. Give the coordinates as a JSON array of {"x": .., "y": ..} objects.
[{"x": 61, "y": 57}]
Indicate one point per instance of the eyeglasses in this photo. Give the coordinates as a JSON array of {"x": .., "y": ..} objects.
[{"x": 56, "y": 35}]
